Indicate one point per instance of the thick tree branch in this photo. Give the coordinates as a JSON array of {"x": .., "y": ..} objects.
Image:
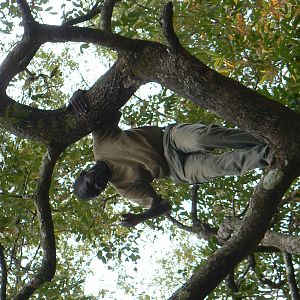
[
  {"x": 106, "y": 15},
  {"x": 290, "y": 274},
  {"x": 285, "y": 243},
  {"x": 263, "y": 203},
  {"x": 26, "y": 13},
  {"x": 19, "y": 58},
  {"x": 16, "y": 61},
  {"x": 36, "y": 34},
  {"x": 41, "y": 200},
  {"x": 63, "y": 125},
  {"x": 62, "y": 34},
  {"x": 191, "y": 79},
  {"x": 3, "y": 274},
  {"x": 166, "y": 22}
]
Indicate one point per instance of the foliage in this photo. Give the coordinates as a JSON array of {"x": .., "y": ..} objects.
[{"x": 254, "y": 42}]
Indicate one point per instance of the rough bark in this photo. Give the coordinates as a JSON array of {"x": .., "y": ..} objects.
[
  {"x": 284, "y": 243},
  {"x": 3, "y": 274},
  {"x": 41, "y": 200},
  {"x": 290, "y": 274}
]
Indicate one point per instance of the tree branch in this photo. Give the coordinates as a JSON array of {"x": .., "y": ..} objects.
[
  {"x": 261, "y": 277},
  {"x": 264, "y": 203},
  {"x": 194, "y": 203},
  {"x": 290, "y": 274},
  {"x": 179, "y": 224},
  {"x": 105, "y": 98},
  {"x": 3, "y": 273},
  {"x": 96, "y": 9},
  {"x": 62, "y": 34},
  {"x": 166, "y": 22},
  {"x": 285, "y": 243},
  {"x": 231, "y": 282},
  {"x": 41, "y": 201},
  {"x": 106, "y": 15},
  {"x": 37, "y": 34},
  {"x": 17, "y": 60},
  {"x": 28, "y": 19}
]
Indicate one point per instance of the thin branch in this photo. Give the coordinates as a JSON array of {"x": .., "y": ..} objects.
[
  {"x": 203, "y": 230},
  {"x": 96, "y": 9},
  {"x": 41, "y": 200},
  {"x": 3, "y": 273},
  {"x": 290, "y": 274},
  {"x": 106, "y": 14},
  {"x": 156, "y": 19},
  {"x": 194, "y": 203},
  {"x": 166, "y": 22},
  {"x": 179, "y": 224},
  {"x": 24, "y": 197},
  {"x": 293, "y": 197},
  {"x": 112, "y": 198},
  {"x": 261, "y": 277},
  {"x": 242, "y": 276},
  {"x": 231, "y": 282},
  {"x": 140, "y": 5}
]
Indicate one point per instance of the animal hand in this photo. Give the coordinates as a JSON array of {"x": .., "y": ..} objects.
[
  {"x": 130, "y": 220},
  {"x": 78, "y": 102}
]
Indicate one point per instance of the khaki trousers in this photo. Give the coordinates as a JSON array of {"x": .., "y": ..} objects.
[{"x": 189, "y": 148}]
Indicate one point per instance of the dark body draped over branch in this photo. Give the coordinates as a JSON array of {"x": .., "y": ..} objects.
[{"x": 173, "y": 67}]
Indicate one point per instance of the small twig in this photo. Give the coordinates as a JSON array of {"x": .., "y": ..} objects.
[
  {"x": 179, "y": 224},
  {"x": 140, "y": 5},
  {"x": 3, "y": 273},
  {"x": 290, "y": 274},
  {"x": 25, "y": 183},
  {"x": 96, "y": 9},
  {"x": 107, "y": 199},
  {"x": 15, "y": 196},
  {"x": 194, "y": 203},
  {"x": 166, "y": 22},
  {"x": 233, "y": 207},
  {"x": 83, "y": 79},
  {"x": 243, "y": 212},
  {"x": 147, "y": 9},
  {"x": 294, "y": 196}
]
